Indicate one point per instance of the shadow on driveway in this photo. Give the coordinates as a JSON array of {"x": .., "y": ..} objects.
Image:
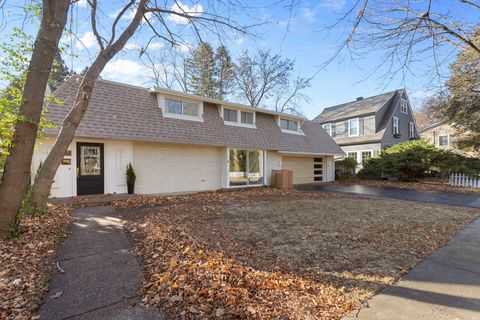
[{"x": 440, "y": 197}]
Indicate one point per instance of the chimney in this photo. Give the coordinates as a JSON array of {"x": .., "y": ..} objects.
[{"x": 359, "y": 98}]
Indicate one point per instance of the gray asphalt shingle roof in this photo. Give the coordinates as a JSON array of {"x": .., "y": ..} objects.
[
  {"x": 125, "y": 112},
  {"x": 352, "y": 109}
]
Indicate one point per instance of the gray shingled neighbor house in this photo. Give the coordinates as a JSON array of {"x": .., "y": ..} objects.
[
  {"x": 180, "y": 142},
  {"x": 365, "y": 126}
]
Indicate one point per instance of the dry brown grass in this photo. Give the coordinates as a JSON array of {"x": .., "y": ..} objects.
[{"x": 273, "y": 255}]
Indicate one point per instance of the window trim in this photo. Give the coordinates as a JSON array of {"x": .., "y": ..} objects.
[
  {"x": 162, "y": 104},
  {"x": 239, "y": 123},
  {"x": 396, "y": 125},
  {"x": 350, "y": 127},
  {"x": 448, "y": 140},
  {"x": 404, "y": 103}
]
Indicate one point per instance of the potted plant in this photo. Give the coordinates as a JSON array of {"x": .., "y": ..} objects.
[{"x": 130, "y": 178}]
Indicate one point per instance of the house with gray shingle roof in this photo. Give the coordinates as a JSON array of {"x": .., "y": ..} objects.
[
  {"x": 365, "y": 126},
  {"x": 179, "y": 142}
]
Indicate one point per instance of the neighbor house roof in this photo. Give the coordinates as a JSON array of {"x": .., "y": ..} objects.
[
  {"x": 433, "y": 125},
  {"x": 126, "y": 112},
  {"x": 356, "y": 108}
]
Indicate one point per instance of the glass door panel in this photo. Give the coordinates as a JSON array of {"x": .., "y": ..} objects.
[
  {"x": 255, "y": 167},
  {"x": 238, "y": 167}
]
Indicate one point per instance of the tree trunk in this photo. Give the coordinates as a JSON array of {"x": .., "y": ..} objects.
[
  {"x": 44, "y": 178},
  {"x": 17, "y": 167}
]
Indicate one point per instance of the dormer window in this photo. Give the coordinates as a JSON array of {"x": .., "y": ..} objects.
[
  {"x": 181, "y": 107},
  {"x": 287, "y": 124},
  {"x": 230, "y": 115},
  {"x": 404, "y": 106},
  {"x": 328, "y": 128},
  {"x": 238, "y": 117},
  {"x": 185, "y": 109},
  {"x": 246, "y": 117}
]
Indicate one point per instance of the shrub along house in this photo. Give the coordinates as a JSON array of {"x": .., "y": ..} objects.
[
  {"x": 179, "y": 142},
  {"x": 364, "y": 127}
]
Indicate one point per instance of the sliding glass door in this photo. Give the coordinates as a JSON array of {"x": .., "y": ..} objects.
[{"x": 246, "y": 167}]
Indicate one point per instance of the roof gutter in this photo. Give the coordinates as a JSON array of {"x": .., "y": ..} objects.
[{"x": 299, "y": 153}]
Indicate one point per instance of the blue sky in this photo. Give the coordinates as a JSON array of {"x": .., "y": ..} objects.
[{"x": 298, "y": 35}]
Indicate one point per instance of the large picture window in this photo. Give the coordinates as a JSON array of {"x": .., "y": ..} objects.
[{"x": 246, "y": 167}]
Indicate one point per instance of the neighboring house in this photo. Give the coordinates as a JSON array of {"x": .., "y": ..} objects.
[
  {"x": 180, "y": 142},
  {"x": 364, "y": 127},
  {"x": 443, "y": 135}
]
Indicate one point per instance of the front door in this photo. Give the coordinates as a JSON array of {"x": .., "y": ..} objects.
[{"x": 90, "y": 168}]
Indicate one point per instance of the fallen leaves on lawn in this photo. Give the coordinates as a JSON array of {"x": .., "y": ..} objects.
[
  {"x": 273, "y": 254},
  {"x": 26, "y": 263},
  {"x": 192, "y": 280}
]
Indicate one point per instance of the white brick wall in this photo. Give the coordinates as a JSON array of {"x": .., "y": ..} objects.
[{"x": 167, "y": 168}]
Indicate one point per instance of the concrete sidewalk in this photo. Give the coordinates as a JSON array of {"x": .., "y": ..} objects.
[
  {"x": 101, "y": 277},
  {"x": 445, "y": 286}
]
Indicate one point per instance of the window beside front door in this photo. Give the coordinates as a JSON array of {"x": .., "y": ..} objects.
[{"x": 245, "y": 167}]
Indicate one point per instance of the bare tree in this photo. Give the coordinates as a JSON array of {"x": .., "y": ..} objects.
[
  {"x": 407, "y": 32},
  {"x": 154, "y": 15},
  {"x": 168, "y": 68},
  {"x": 16, "y": 173},
  {"x": 264, "y": 77}
]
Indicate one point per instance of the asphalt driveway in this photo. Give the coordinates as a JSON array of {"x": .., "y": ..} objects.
[{"x": 441, "y": 197}]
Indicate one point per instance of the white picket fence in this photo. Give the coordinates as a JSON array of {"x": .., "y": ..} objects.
[{"x": 463, "y": 180}]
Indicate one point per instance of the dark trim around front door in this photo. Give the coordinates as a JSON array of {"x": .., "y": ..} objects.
[{"x": 90, "y": 168}]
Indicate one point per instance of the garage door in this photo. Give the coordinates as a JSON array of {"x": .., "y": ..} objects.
[{"x": 302, "y": 168}]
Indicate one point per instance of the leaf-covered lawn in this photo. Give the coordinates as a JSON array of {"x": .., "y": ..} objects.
[
  {"x": 268, "y": 254},
  {"x": 26, "y": 263}
]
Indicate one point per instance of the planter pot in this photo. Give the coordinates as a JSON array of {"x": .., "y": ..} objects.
[{"x": 131, "y": 187}]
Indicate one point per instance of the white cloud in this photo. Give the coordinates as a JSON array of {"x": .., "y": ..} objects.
[
  {"x": 132, "y": 45},
  {"x": 155, "y": 45},
  {"x": 308, "y": 14},
  {"x": 126, "y": 71},
  {"x": 239, "y": 41},
  {"x": 335, "y": 5},
  {"x": 181, "y": 8},
  {"x": 87, "y": 41}
]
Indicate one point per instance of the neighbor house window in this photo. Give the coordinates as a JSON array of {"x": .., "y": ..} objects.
[
  {"x": 328, "y": 128},
  {"x": 181, "y": 107},
  {"x": 287, "y": 124},
  {"x": 246, "y": 117},
  {"x": 230, "y": 115},
  {"x": 245, "y": 167},
  {"x": 411, "y": 130},
  {"x": 443, "y": 140},
  {"x": 352, "y": 155},
  {"x": 396, "y": 126},
  {"x": 404, "y": 106},
  {"x": 353, "y": 127},
  {"x": 366, "y": 155}
]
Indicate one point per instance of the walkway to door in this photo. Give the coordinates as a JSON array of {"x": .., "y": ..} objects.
[
  {"x": 98, "y": 278},
  {"x": 441, "y": 197}
]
